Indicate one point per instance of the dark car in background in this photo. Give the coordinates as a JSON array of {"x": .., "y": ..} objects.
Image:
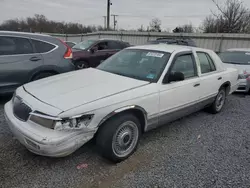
[
  {"x": 25, "y": 57},
  {"x": 90, "y": 53},
  {"x": 176, "y": 41}
]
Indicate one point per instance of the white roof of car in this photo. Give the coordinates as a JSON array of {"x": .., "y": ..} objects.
[
  {"x": 239, "y": 49},
  {"x": 166, "y": 48}
]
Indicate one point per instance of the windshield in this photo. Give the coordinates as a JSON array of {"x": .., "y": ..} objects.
[
  {"x": 84, "y": 45},
  {"x": 235, "y": 57},
  {"x": 144, "y": 65}
]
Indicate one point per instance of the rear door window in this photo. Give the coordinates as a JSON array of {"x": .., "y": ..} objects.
[
  {"x": 15, "y": 46},
  {"x": 115, "y": 45},
  {"x": 42, "y": 47}
]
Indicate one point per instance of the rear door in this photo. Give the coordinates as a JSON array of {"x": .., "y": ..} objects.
[
  {"x": 114, "y": 47},
  {"x": 210, "y": 77},
  {"x": 17, "y": 59}
]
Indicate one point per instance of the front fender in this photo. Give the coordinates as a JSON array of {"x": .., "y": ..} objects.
[{"x": 123, "y": 109}]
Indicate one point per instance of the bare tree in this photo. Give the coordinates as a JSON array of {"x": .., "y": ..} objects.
[
  {"x": 155, "y": 25},
  {"x": 39, "y": 23},
  {"x": 233, "y": 17},
  {"x": 187, "y": 28}
]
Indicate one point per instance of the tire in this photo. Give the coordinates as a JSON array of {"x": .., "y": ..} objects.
[
  {"x": 42, "y": 75},
  {"x": 219, "y": 102},
  {"x": 81, "y": 65},
  {"x": 121, "y": 132}
]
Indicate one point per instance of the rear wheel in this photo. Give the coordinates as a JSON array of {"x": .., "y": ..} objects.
[
  {"x": 219, "y": 102},
  {"x": 42, "y": 75},
  {"x": 81, "y": 65},
  {"x": 118, "y": 138}
]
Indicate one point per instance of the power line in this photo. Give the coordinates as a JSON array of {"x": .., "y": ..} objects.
[{"x": 174, "y": 16}]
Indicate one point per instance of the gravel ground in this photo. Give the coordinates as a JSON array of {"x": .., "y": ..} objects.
[{"x": 201, "y": 150}]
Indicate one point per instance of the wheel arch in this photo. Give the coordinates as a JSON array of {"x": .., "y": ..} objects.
[
  {"x": 50, "y": 69},
  {"x": 138, "y": 111},
  {"x": 227, "y": 86}
]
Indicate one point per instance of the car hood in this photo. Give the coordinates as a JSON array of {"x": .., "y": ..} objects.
[
  {"x": 241, "y": 68},
  {"x": 69, "y": 90}
]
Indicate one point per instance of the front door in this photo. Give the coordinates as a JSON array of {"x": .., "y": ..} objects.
[
  {"x": 178, "y": 99},
  {"x": 100, "y": 54}
]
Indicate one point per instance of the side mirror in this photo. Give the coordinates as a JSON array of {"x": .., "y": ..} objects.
[{"x": 174, "y": 77}]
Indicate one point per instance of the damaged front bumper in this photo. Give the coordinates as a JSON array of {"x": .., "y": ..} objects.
[{"x": 44, "y": 141}]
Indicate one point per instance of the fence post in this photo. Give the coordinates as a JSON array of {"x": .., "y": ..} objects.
[
  {"x": 121, "y": 35},
  {"x": 81, "y": 37},
  {"x": 148, "y": 35},
  {"x": 221, "y": 41}
]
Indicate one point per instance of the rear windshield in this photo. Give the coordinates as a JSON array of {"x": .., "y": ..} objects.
[{"x": 235, "y": 57}]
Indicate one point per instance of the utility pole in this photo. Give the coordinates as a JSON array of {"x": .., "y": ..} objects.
[
  {"x": 105, "y": 21},
  {"x": 108, "y": 13},
  {"x": 115, "y": 21}
]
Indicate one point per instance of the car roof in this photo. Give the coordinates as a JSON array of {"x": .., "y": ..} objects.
[
  {"x": 167, "y": 48},
  {"x": 239, "y": 49},
  {"x": 109, "y": 39},
  {"x": 22, "y": 33}
]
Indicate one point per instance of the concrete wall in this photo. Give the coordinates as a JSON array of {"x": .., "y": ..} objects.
[{"x": 217, "y": 42}]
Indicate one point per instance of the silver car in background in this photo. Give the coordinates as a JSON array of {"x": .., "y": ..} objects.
[
  {"x": 26, "y": 57},
  {"x": 239, "y": 58}
]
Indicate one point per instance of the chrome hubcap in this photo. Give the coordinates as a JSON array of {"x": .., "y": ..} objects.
[
  {"x": 220, "y": 100},
  {"x": 125, "y": 139}
]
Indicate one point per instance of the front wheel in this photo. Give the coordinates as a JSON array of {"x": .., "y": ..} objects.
[
  {"x": 118, "y": 138},
  {"x": 219, "y": 102}
]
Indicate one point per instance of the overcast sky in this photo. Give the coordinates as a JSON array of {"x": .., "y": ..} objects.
[{"x": 133, "y": 13}]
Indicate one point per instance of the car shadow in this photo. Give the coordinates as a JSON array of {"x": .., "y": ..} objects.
[{"x": 4, "y": 99}]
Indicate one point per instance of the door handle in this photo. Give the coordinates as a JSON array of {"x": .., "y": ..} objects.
[
  {"x": 35, "y": 59},
  {"x": 219, "y": 78},
  {"x": 196, "y": 85}
]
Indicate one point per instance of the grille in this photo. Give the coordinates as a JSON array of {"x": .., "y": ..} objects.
[{"x": 21, "y": 110}]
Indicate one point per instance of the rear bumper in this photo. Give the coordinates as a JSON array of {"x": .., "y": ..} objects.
[
  {"x": 66, "y": 66},
  {"x": 43, "y": 144},
  {"x": 244, "y": 85}
]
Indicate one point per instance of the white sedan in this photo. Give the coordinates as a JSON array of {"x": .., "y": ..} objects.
[{"x": 134, "y": 91}]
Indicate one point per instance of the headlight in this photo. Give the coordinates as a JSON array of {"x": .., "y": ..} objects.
[
  {"x": 76, "y": 122},
  {"x": 48, "y": 123}
]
